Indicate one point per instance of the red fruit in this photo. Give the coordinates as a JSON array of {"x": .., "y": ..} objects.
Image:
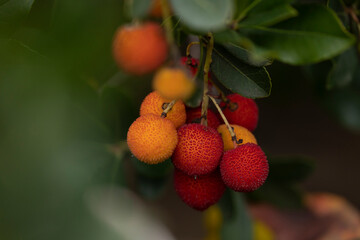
[
  {"x": 199, "y": 192},
  {"x": 241, "y": 111},
  {"x": 192, "y": 65},
  {"x": 245, "y": 168},
  {"x": 193, "y": 115},
  {"x": 199, "y": 149}
]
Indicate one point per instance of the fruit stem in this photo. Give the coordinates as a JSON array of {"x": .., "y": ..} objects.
[
  {"x": 168, "y": 108},
  {"x": 168, "y": 25},
  {"x": 208, "y": 60},
  {"x": 222, "y": 94},
  {"x": 188, "y": 48},
  {"x": 231, "y": 130}
]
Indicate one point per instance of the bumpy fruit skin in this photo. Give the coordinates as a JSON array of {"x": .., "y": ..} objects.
[
  {"x": 240, "y": 132},
  {"x": 199, "y": 192},
  {"x": 245, "y": 168},
  {"x": 154, "y": 103},
  {"x": 199, "y": 149},
  {"x": 193, "y": 115},
  {"x": 152, "y": 139},
  {"x": 140, "y": 49},
  {"x": 241, "y": 111},
  {"x": 173, "y": 83}
]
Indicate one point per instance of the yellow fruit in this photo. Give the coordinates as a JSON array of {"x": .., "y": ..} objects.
[
  {"x": 262, "y": 232},
  {"x": 213, "y": 218},
  {"x": 154, "y": 103},
  {"x": 241, "y": 133},
  {"x": 173, "y": 83},
  {"x": 152, "y": 139}
]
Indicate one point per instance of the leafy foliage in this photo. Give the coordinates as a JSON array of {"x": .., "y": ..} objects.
[
  {"x": 314, "y": 35},
  {"x": 205, "y": 15},
  {"x": 237, "y": 222},
  {"x": 239, "y": 77},
  {"x": 65, "y": 106}
]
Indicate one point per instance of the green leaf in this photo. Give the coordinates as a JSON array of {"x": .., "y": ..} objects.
[
  {"x": 140, "y": 8},
  {"x": 269, "y": 17},
  {"x": 242, "y": 7},
  {"x": 344, "y": 69},
  {"x": 246, "y": 56},
  {"x": 237, "y": 223},
  {"x": 290, "y": 169},
  {"x": 12, "y": 15},
  {"x": 203, "y": 15},
  {"x": 280, "y": 195},
  {"x": 249, "y": 81},
  {"x": 232, "y": 36},
  {"x": 314, "y": 35},
  {"x": 345, "y": 107},
  {"x": 3, "y": 2},
  {"x": 335, "y": 5},
  {"x": 14, "y": 10}
]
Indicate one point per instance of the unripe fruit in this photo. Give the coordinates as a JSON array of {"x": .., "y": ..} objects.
[
  {"x": 213, "y": 219},
  {"x": 245, "y": 168},
  {"x": 173, "y": 83},
  {"x": 199, "y": 192},
  {"x": 140, "y": 49},
  {"x": 241, "y": 133},
  {"x": 152, "y": 139},
  {"x": 199, "y": 149},
  {"x": 154, "y": 103},
  {"x": 241, "y": 111},
  {"x": 193, "y": 115},
  {"x": 262, "y": 231}
]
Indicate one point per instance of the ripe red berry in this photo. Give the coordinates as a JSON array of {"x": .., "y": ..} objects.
[
  {"x": 245, "y": 168},
  {"x": 241, "y": 111},
  {"x": 199, "y": 192},
  {"x": 193, "y": 115},
  {"x": 199, "y": 149},
  {"x": 193, "y": 66}
]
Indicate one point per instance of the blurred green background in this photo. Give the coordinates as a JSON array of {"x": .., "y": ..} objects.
[{"x": 65, "y": 109}]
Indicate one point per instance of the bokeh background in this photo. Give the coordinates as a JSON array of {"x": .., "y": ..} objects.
[{"x": 65, "y": 109}]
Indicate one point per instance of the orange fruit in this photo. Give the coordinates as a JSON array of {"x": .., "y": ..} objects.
[
  {"x": 152, "y": 139},
  {"x": 240, "y": 132},
  {"x": 140, "y": 49},
  {"x": 173, "y": 83},
  {"x": 154, "y": 103}
]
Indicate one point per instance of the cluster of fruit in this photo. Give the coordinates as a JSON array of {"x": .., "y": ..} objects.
[{"x": 207, "y": 158}]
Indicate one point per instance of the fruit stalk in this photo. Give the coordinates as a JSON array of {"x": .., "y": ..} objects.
[
  {"x": 208, "y": 60},
  {"x": 222, "y": 94},
  {"x": 232, "y": 133},
  {"x": 168, "y": 25},
  {"x": 168, "y": 108},
  {"x": 188, "y": 48}
]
